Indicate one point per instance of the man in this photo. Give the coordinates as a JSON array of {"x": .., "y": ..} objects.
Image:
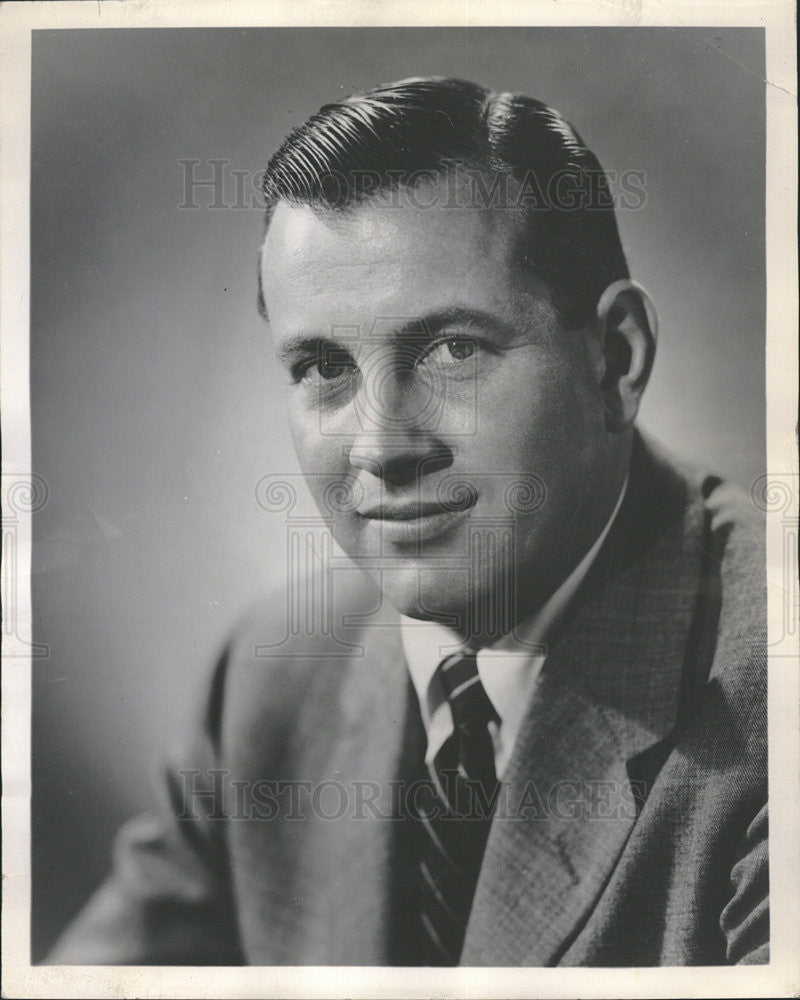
[{"x": 527, "y": 725}]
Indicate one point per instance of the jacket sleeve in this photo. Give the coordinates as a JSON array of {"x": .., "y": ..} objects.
[
  {"x": 745, "y": 919},
  {"x": 168, "y": 899}
]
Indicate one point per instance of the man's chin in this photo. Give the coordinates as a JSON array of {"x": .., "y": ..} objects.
[
  {"x": 425, "y": 594},
  {"x": 446, "y": 596}
]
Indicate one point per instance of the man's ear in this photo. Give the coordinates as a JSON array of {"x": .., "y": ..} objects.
[{"x": 628, "y": 327}]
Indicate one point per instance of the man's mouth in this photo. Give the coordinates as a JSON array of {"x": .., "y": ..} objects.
[{"x": 414, "y": 521}]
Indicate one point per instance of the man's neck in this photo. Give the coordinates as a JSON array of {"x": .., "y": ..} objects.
[{"x": 537, "y": 617}]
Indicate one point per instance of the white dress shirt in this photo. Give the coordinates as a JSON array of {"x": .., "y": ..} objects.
[{"x": 508, "y": 669}]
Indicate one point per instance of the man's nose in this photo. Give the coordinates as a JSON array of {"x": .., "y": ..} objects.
[{"x": 397, "y": 437}]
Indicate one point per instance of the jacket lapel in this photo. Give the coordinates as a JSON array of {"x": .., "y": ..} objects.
[
  {"x": 356, "y": 881},
  {"x": 609, "y": 690}
]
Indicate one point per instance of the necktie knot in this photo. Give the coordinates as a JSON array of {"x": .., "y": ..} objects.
[{"x": 461, "y": 683}]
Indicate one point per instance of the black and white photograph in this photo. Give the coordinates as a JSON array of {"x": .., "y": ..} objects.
[{"x": 400, "y": 519}]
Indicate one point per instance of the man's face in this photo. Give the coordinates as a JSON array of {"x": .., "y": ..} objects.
[{"x": 433, "y": 386}]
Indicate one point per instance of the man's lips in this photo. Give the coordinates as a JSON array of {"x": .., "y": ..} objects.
[
  {"x": 412, "y": 522},
  {"x": 413, "y": 510}
]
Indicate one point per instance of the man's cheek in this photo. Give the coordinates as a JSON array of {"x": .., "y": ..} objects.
[
  {"x": 315, "y": 452},
  {"x": 302, "y": 428}
]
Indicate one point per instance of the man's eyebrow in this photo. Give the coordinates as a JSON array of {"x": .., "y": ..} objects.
[
  {"x": 304, "y": 345},
  {"x": 432, "y": 324}
]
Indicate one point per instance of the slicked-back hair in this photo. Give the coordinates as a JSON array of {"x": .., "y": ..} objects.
[{"x": 520, "y": 154}]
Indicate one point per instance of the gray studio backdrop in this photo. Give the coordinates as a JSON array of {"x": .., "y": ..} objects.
[{"x": 156, "y": 405}]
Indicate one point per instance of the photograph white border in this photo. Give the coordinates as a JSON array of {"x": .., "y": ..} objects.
[{"x": 782, "y": 976}]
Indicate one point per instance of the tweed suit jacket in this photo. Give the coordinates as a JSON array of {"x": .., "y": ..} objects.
[{"x": 631, "y": 828}]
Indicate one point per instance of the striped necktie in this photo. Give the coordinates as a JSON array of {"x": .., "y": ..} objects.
[{"x": 456, "y": 812}]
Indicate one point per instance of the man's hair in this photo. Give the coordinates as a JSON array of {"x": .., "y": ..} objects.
[{"x": 515, "y": 152}]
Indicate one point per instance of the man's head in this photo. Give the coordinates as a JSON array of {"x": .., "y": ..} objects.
[{"x": 448, "y": 293}]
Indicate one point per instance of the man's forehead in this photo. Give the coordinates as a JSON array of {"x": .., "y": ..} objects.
[
  {"x": 419, "y": 222},
  {"x": 404, "y": 259}
]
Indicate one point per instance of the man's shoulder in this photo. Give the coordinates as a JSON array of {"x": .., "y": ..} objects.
[
  {"x": 294, "y": 646},
  {"x": 733, "y": 540},
  {"x": 718, "y": 528},
  {"x": 740, "y": 665},
  {"x": 734, "y": 528},
  {"x": 309, "y": 616},
  {"x": 716, "y": 531},
  {"x": 739, "y": 530},
  {"x": 733, "y": 595}
]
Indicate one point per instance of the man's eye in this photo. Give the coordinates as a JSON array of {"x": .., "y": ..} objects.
[
  {"x": 329, "y": 370},
  {"x": 328, "y": 367},
  {"x": 460, "y": 349},
  {"x": 454, "y": 350}
]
